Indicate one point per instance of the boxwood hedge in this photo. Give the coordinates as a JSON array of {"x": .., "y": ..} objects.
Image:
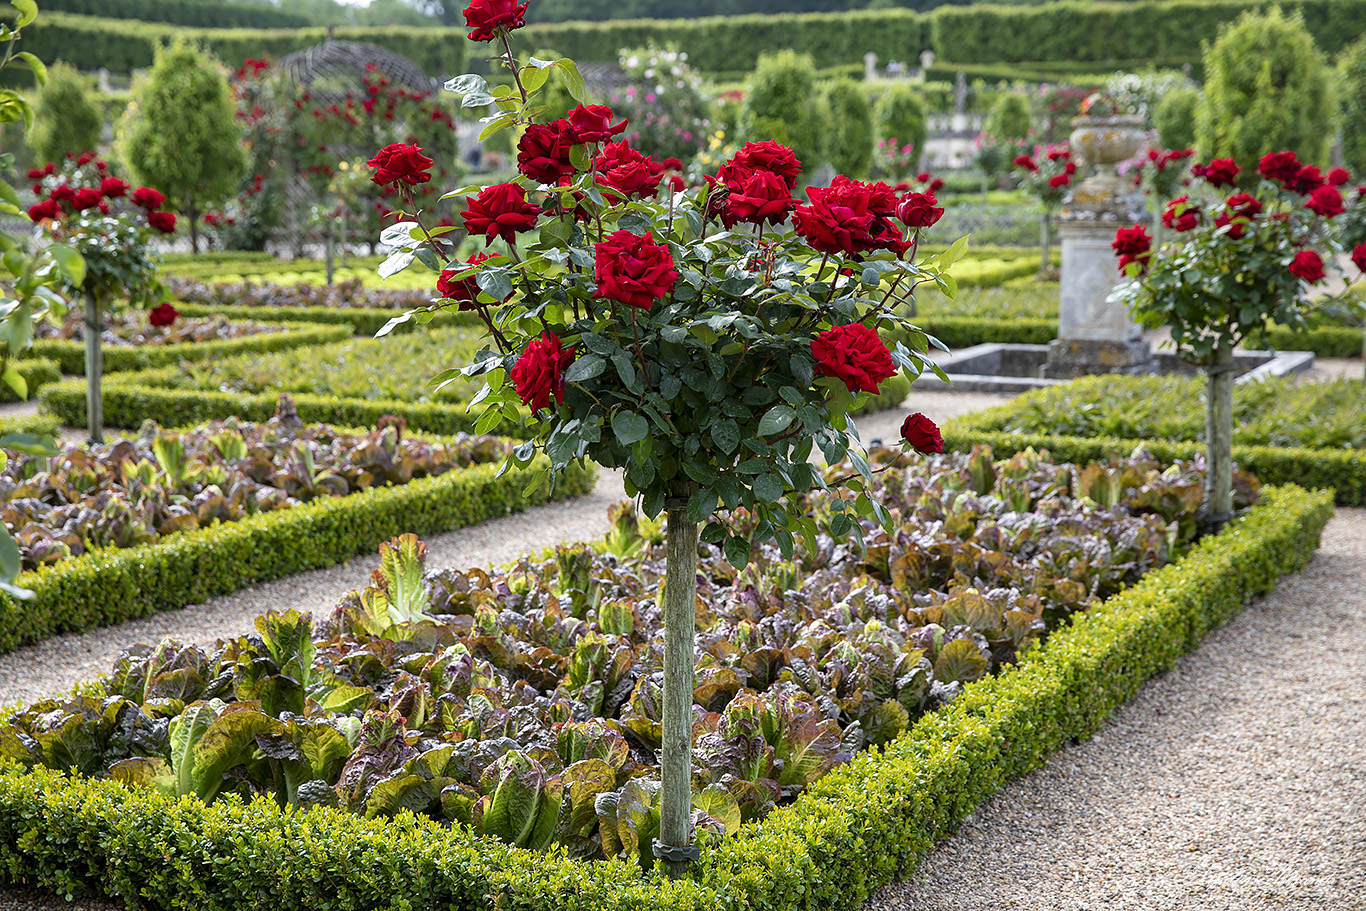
[
  {"x": 852, "y": 831},
  {"x": 363, "y": 321},
  {"x": 296, "y": 334},
  {"x": 37, "y": 373},
  {"x": 118, "y": 584}
]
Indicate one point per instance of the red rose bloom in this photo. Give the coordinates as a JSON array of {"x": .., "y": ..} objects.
[
  {"x": 760, "y": 196},
  {"x": 854, "y": 354},
  {"x": 1024, "y": 161},
  {"x": 1339, "y": 177},
  {"x": 48, "y": 208},
  {"x": 1279, "y": 166},
  {"x": 1181, "y": 214},
  {"x": 86, "y": 198},
  {"x": 633, "y": 270},
  {"x": 146, "y": 198},
  {"x": 1307, "y": 180},
  {"x": 1359, "y": 257},
  {"x": 162, "y": 315},
  {"x": 113, "y": 188},
  {"x": 850, "y": 217},
  {"x": 769, "y": 156},
  {"x": 485, "y": 17},
  {"x": 539, "y": 372},
  {"x": 63, "y": 193},
  {"x": 162, "y": 221},
  {"x": 1307, "y": 265},
  {"x": 35, "y": 174},
  {"x": 1240, "y": 206},
  {"x": 543, "y": 151},
  {"x": 918, "y": 210},
  {"x": 1133, "y": 241},
  {"x": 1128, "y": 259},
  {"x": 1326, "y": 201},
  {"x": 922, "y": 433},
  {"x": 622, "y": 168},
  {"x": 1059, "y": 180},
  {"x": 400, "y": 163},
  {"x": 593, "y": 123},
  {"x": 1220, "y": 172},
  {"x": 500, "y": 211},
  {"x": 464, "y": 290}
]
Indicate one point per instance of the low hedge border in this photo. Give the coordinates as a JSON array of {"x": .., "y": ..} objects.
[
  {"x": 29, "y": 423},
  {"x": 37, "y": 373},
  {"x": 297, "y": 334},
  {"x": 849, "y": 833},
  {"x": 1325, "y": 341},
  {"x": 111, "y": 586},
  {"x": 1342, "y": 470},
  {"x": 362, "y": 320}
]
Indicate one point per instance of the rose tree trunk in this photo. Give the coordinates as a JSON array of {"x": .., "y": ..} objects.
[
  {"x": 94, "y": 367},
  {"x": 1219, "y": 436},
  {"x": 680, "y": 594}
]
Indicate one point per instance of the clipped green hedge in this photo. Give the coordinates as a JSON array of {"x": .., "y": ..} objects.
[
  {"x": 37, "y": 373},
  {"x": 1342, "y": 470},
  {"x": 966, "y": 331},
  {"x": 362, "y": 320},
  {"x": 29, "y": 423},
  {"x": 1325, "y": 341},
  {"x": 71, "y": 354},
  {"x": 193, "y": 13},
  {"x": 111, "y": 586},
  {"x": 853, "y": 830}
]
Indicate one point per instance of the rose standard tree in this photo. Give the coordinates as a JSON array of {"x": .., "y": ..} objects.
[
  {"x": 707, "y": 341},
  {"x": 110, "y": 224},
  {"x": 1235, "y": 263}
]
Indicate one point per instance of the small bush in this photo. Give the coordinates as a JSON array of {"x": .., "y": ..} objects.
[
  {"x": 1174, "y": 117},
  {"x": 781, "y": 104},
  {"x": 67, "y": 118},
  {"x": 1009, "y": 117},
  {"x": 900, "y": 114},
  {"x": 849, "y": 143}
]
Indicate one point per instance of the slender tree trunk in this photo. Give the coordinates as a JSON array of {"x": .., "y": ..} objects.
[
  {"x": 193, "y": 214},
  {"x": 1219, "y": 436},
  {"x": 94, "y": 368},
  {"x": 1045, "y": 240},
  {"x": 680, "y": 594},
  {"x": 328, "y": 247}
]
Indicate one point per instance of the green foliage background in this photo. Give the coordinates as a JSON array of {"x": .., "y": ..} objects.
[
  {"x": 782, "y": 104},
  {"x": 849, "y": 143},
  {"x": 68, "y": 120},
  {"x": 901, "y": 114}
]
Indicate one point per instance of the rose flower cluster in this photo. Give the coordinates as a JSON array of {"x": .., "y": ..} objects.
[
  {"x": 87, "y": 186},
  {"x": 1241, "y": 215}
]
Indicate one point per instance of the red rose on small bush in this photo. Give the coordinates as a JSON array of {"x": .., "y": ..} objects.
[
  {"x": 144, "y": 198},
  {"x": 162, "y": 221},
  {"x": 769, "y": 156},
  {"x": 855, "y": 354},
  {"x": 1133, "y": 241},
  {"x": 1240, "y": 206},
  {"x": 1339, "y": 177},
  {"x": 1220, "y": 172},
  {"x": 1307, "y": 265},
  {"x": 464, "y": 290},
  {"x": 113, "y": 188},
  {"x": 48, "y": 208},
  {"x": 162, "y": 315},
  {"x": 1326, "y": 201},
  {"x": 850, "y": 217},
  {"x": 1359, "y": 257},
  {"x": 485, "y": 17},
  {"x": 633, "y": 269},
  {"x": 401, "y": 163},
  {"x": 918, "y": 210},
  {"x": 86, "y": 198},
  {"x": 539, "y": 372},
  {"x": 500, "y": 211},
  {"x": 543, "y": 151},
  {"x": 1307, "y": 180},
  {"x": 1283, "y": 167},
  {"x": 622, "y": 168},
  {"x": 593, "y": 123},
  {"x": 1058, "y": 181},
  {"x": 758, "y": 197},
  {"x": 1181, "y": 214},
  {"x": 1024, "y": 161},
  {"x": 922, "y": 434}
]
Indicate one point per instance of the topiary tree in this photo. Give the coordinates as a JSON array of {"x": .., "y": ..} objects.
[
  {"x": 180, "y": 132},
  {"x": 849, "y": 146},
  {"x": 1174, "y": 117},
  {"x": 1266, "y": 89},
  {"x": 1352, "y": 105},
  {"x": 900, "y": 114},
  {"x": 1009, "y": 117},
  {"x": 67, "y": 117},
  {"x": 782, "y": 104}
]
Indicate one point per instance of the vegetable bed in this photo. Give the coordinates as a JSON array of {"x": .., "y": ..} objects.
[
  {"x": 168, "y": 518},
  {"x": 470, "y": 698},
  {"x": 1284, "y": 432}
]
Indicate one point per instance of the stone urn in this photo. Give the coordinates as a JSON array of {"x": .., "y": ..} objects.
[{"x": 1103, "y": 141}]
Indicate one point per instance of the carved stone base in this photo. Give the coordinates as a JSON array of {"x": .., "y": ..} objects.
[{"x": 1070, "y": 358}]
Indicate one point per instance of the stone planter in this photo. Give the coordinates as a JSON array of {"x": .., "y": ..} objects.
[{"x": 1101, "y": 141}]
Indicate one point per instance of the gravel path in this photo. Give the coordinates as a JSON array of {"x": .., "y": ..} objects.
[{"x": 1236, "y": 781}]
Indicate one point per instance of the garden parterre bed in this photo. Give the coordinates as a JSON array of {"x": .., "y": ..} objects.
[
  {"x": 171, "y": 518},
  {"x": 1284, "y": 432},
  {"x": 849, "y": 831}
]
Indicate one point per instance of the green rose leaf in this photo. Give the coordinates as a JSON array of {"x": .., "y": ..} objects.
[
  {"x": 776, "y": 420},
  {"x": 585, "y": 367},
  {"x": 629, "y": 427}
]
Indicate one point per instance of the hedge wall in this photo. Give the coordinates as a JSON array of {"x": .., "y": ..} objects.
[
  {"x": 37, "y": 372},
  {"x": 115, "y": 585},
  {"x": 29, "y": 423},
  {"x": 363, "y": 321},
  {"x": 123, "y": 45},
  {"x": 853, "y": 830},
  {"x": 71, "y": 354},
  {"x": 1325, "y": 341},
  {"x": 192, "y": 13}
]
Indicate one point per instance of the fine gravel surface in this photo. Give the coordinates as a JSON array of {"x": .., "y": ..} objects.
[{"x": 1236, "y": 781}]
